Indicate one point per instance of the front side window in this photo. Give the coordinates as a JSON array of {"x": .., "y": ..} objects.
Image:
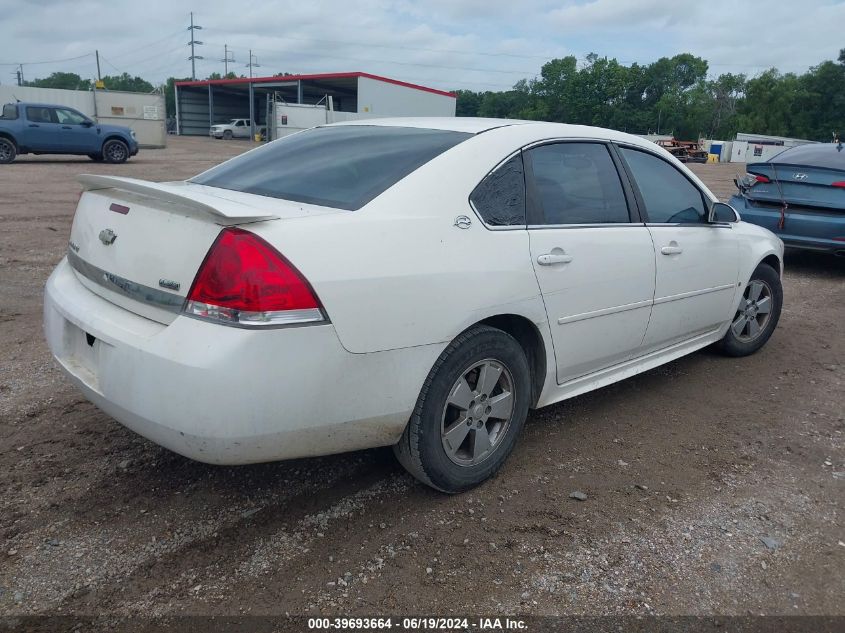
[
  {"x": 342, "y": 166},
  {"x": 500, "y": 197},
  {"x": 576, "y": 183},
  {"x": 69, "y": 117},
  {"x": 668, "y": 196}
]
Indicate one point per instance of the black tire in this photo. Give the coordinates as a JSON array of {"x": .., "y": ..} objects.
[
  {"x": 8, "y": 151},
  {"x": 421, "y": 449},
  {"x": 227, "y": 134},
  {"x": 97, "y": 158},
  {"x": 115, "y": 151},
  {"x": 747, "y": 342}
]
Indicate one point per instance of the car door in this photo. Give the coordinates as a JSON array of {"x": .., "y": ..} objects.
[
  {"x": 76, "y": 136},
  {"x": 697, "y": 262},
  {"x": 593, "y": 257},
  {"x": 42, "y": 131},
  {"x": 241, "y": 130}
]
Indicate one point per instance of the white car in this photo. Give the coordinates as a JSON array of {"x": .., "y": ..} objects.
[{"x": 420, "y": 283}]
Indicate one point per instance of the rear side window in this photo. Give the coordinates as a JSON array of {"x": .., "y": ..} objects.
[
  {"x": 343, "y": 167},
  {"x": 668, "y": 196},
  {"x": 825, "y": 155},
  {"x": 38, "y": 115},
  {"x": 576, "y": 183},
  {"x": 500, "y": 197}
]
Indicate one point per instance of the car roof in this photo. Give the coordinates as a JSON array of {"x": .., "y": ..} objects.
[{"x": 476, "y": 125}]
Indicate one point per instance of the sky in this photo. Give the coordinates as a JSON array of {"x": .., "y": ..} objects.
[{"x": 447, "y": 44}]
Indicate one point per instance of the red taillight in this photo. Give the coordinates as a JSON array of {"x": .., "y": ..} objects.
[
  {"x": 838, "y": 183},
  {"x": 760, "y": 178},
  {"x": 245, "y": 281}
]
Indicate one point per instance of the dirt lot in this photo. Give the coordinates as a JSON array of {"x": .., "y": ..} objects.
[{"x": 688, "y": 470}]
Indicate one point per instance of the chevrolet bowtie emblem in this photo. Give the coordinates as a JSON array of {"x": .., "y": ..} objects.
[{"x": 107, "y": 236}]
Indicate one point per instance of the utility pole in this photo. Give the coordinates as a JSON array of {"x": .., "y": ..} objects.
[
  {"x": 97, "y": 53},
  {"x": 226, "y": 59},
  {"x": 252, "y": 63},
  {"x": 21, "y": 80},
  {"x": 193, "y": 42}
]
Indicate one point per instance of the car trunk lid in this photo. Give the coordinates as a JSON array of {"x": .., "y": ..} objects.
[
  {"x": 797, "y": 185},
  {"x": 139, "y": 244}
]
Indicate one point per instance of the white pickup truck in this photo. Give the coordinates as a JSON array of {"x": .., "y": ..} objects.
[{"x": 236, "y": 128}]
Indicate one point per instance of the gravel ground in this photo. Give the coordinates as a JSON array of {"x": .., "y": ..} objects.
[{"x": 712, "y": 485}]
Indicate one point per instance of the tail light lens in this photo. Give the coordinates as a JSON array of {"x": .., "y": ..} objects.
[
  {"x": 838, "y": 183},
  {"x": 245, "y": 282},
  {"x": 759, "y": 178}
]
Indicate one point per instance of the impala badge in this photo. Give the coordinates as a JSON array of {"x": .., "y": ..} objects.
[
  {"x": 107, "y": 236},
  {"x": 799, "y": 176},
  {"x": 169, "y": 284}
]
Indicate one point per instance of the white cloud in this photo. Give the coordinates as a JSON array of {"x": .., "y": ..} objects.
[{"x": 477, "y": 44}]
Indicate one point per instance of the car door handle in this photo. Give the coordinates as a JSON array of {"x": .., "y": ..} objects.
[
  {"x": 34, "y": 125},
  {"x": 66, "y": 127},
  {"x": 672, "y": 249},
  {"x": 549, "y": 259}
]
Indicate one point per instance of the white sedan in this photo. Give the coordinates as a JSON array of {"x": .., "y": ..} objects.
[{"x": 420, "y": 283}]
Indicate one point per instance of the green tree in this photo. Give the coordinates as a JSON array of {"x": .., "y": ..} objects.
[
  {"x": 127, "y": 83},
  {"x": 65, "y": 81}
]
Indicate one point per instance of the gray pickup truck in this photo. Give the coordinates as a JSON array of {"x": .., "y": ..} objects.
[{"x": 38, "y": 128}]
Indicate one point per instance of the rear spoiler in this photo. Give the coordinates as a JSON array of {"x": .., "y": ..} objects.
[{"x": 221, "y": 210}]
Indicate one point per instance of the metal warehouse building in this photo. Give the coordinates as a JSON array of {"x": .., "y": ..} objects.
[{"x": 293, "y": 102}]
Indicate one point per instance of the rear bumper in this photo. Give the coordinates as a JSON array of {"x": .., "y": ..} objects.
[
  {"x": 802, "y": 229},
  {"x": 228, "y": 395}
]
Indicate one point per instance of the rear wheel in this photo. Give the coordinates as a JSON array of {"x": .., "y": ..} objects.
[
  {"x": 8, "y": 151},
  {"x": 471, "y": 409},
  {"x": 115, "y": 151},
  {"x": 757, "y": 314}
]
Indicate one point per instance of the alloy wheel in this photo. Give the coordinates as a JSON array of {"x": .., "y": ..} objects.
[
  {"x": 477, "y": 412},
  {"x": 116, "y": 152},
  {"x": 754, "y": 311}
]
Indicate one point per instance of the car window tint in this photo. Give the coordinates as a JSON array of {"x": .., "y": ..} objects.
[
  {"x": 342, "y": 166},
  {"x": 10, "y": 112},
  {"x": 577, "y": 183},
  {"x": 69, "y": 117},
  {"x": 500, "y": 197},
  {"x": 668, "y": 196},
  {"x": 38, "y": 115}
]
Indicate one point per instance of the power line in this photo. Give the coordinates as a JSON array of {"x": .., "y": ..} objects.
[
  {"x": 398, "y": 63},
  {"x": 409, "y": 48}
]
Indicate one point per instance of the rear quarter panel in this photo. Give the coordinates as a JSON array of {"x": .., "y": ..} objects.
[{"x": 398, "y": 273}]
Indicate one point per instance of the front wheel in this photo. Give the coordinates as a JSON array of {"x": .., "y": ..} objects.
[
  {"x": 757, "y": 314},
  {"x": 115, "y": 151},
  {"x": 469, "y": 413},
  {"x": 8, "y": 151},
  {"x": 227, "y": 135}
]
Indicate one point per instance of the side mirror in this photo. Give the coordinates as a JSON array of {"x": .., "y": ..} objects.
[
  {"x": 721, "y": 212},
  {"x": 87, "y": 123}
]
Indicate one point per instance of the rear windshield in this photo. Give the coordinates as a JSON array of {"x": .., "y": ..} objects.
[
  {"x": 343, "y": 167},
  {"x": 827, "y": 155}
]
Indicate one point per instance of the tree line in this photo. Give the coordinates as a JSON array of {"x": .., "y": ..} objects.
[{"x": 672, "y": 95}]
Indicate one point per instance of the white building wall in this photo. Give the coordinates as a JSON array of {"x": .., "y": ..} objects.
[
  {"x": 382, "y": 99},
  {"x": 144, "y": 113}
]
